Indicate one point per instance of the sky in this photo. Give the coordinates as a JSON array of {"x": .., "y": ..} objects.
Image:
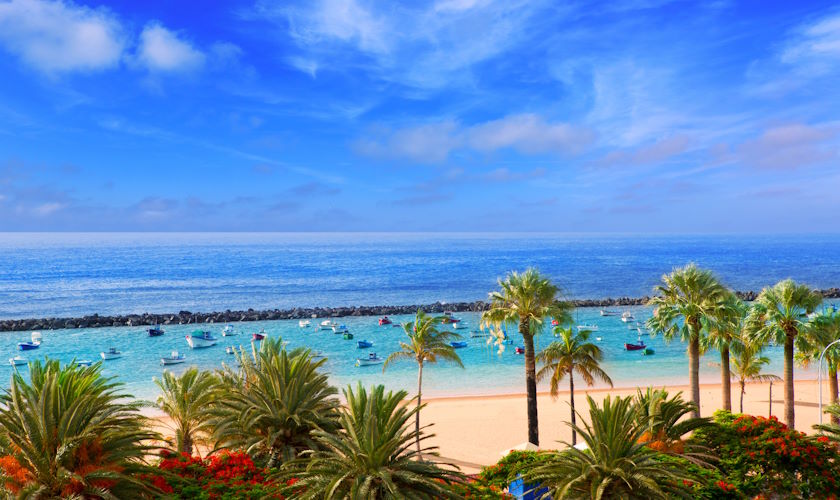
[{"x": 455, "y": 115}]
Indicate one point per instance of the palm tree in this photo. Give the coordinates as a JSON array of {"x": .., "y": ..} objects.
[
  {"x": 426, "y": 344},
  {"x": 667, "y": 426},
  {"x": 747, "y": 365},
  {"x": 615, "y": 464},
  {"x": 687, "y": 301},
  {"x": 273, "y": 403},
  {"x": 370, "y": 456},
  {"x": 75, "y": 433},
  {"x": 780, "y": 314},
  {"x": 725, "y": 329},
  {"x": 831, "y": 430},
  {"x": 187, "y": 401},
  {"x": 526, "y": 299},
  {"x": 822, "y": 330},
  {"x": 572, "y": 353}
]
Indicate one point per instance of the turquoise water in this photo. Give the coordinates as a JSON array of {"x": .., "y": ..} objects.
[{"x": 485, "y": 372}]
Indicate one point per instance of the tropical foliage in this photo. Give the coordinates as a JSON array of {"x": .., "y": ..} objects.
[
  {"x": 573, "y": 353},
  {"x": 526, "y": 300},
  {"x": 779, "y": 314},
  {"x": 616, "y": 463},
  {"x": 426, "y": 344},
  {"x": 668, "y": 425},
  {"x": 371, "y": 455},
  {"x": 747, "y": 365},
  {"x": 273, "y": 403},
  {"x": 687, "y": 302},
  {"x": 723, "y": 332},
  {"x": 187, "y": 400},
  {"x": 822, "y": 331},
  {"x": 69, "y": 431}
]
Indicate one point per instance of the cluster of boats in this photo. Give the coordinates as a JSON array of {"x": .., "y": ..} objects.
[{"x": 35, "y": 342}]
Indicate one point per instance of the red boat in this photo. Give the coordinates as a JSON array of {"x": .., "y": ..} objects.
[
  {"x": 259, "y": 336},
  {"x": 554, "y": 322},
  {"x": 519, "y": 350},
  {"x": 384, "y": 321},
  {"x": 635, "y": 347}
]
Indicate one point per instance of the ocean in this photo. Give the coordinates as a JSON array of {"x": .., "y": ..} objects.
[{"x": 74, "y": 274}]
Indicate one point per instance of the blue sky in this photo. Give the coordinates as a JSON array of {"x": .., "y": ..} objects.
[{"x": 646, "y": 115}]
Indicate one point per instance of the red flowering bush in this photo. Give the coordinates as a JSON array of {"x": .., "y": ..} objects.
[
  {"x": 224, "y": 476},
  {"x": 763, "y": 456},
  {"x": 14, "y": 477}
]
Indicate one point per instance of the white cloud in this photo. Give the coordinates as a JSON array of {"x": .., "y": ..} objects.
[
  {"x": 791, "y": 146},
  {"x": 162, "y": 50},
  {"x": 56, "y": 37},
  {"x": 433, "y": 143}
]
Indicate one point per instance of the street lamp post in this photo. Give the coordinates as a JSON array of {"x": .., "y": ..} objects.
[{"x": 819, "y": 376}]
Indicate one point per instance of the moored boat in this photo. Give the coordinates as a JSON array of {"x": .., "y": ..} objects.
[
  {"x": 339, "y": 328},
  {"x": 18, "y": 360},
  {"x": 648, "y": 351},
  {"x": 590, "y": 327},
  {"x": 304, "y": 323},
  {"x": 230, "y": 349},
  {"x": 111, "y": 353},
  {"x": 384, "y": 320},
  {"x": 458, "y": 344},
  {"x": 519, "y": 350},
  {"x": 228, "y": 331},
  {"x": 348, "y": 336},
  {"x": 200, "y": 339},
  {"x": 155, "y": 331},
  {"x": 627, "y": 317},
  {"x": 259, "y": 335},
  {"x": 634, "y": 347},
  {"x": 372, "y": 359},
  {"x": 83, "y": 362},
  {"x": 607, "y": 312},
  {"x": 327, "y": 324},
  {"x": 364, "y": 344},
  {"x": 32, "y": 344},
  {"x": 174, "y": 358}
]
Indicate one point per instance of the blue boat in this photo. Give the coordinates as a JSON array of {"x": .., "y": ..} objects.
[
  {"x": 157, "y": 331},
  {"x": 459, "y": 344},
  {"x": 31, "y": 345},
  {"x": 364, "y": 344}
]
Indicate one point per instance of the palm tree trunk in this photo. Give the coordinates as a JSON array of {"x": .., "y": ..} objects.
[
  {"x": 572, "y": 403},
  {"x": 832, "y": 388},
  {"x": 743, "y": 390},
  {"x": 694, "y": 371},
  {"x": 530, "y": 383},
  {"x": 726, "y": 378},
  {"x": 417, "y": 415},
  {"x": 770, "y": 401},
  {"x": 789, "y": 411}
]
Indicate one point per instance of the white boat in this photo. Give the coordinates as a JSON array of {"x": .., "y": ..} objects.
[
  {"x": 111, "y": 353},
  {"x": 598, "y": 339},
  {"x": 591, "y": 328},
  {"x": 372, "y": 359},
  {"x": 607, "y": 312},
  {"x": 201, "y": 339},
  {"x": 459, "y": 325},
  {"x": 228, "y": 331},
  {"x": 304, "y": 323},
  {"x": 627, "y": 317},
  {"x": 340, "y": 329},
  {"x": 18, "y": 361},
  {"x": 327, "y": 324},
  {"x": 174, "y": 358},
  {"x": 33, "y": 344},
  {"x": 230, "y": 349}
]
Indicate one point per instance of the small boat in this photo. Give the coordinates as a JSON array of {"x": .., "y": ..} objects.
[
  {"x": 111, "y": 353},
  {"x": 598, "y": 339},
  {"x": 591, "y": 328},
  {"x": 174, "y": 358},
  {"x": 635, "y": 347},
  {"x": 228, "y": 331},
  {"x": 32, "y": 344},
  {"x": 459, "y": 344},
  {"x": 339, "y": 328},
  {"x": 259, "y": 335},
  {"x": 384, "y": 320},
  {"x": 364, "y": 344},
  {"x": 519, "y": 350},
  {"x": 304, "y": 323},
  {"x": 201, "y": 339},
  {"x": 478, "y": 334},
  {"x": 554, "y": 322},
  {"x": 648, "y": 351},
  {"x": 84, "y": 362},
  {"x": 372, "y": 359},
  {"x": 627, "y": 317},
  {"x": 459, "y": 326},
  {"x": 348, "y": 336},
  {"x": 327, "y": 324},
  {"x": 607, "y": 312},
  {"x": 18, "y": 360},
  {"x": 230, "y": 349},
  {"x": 156, "y": 331}
]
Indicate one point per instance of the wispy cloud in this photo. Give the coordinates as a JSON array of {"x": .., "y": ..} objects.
[{"x": 161, "y": 49}]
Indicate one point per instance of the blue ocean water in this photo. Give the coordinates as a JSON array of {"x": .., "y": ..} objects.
[{"x": 75, "y": 274}]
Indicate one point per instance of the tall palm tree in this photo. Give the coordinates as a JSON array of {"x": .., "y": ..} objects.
[
  {"x": 370, "y": 456},
  {"x": 75, "y": 433},
  {"x": 822, "y": 330},
  {"x": 780, "y": 314},
  {"x": 187, "y": 400},
  {"x": 725, "y": 329},
  {"x": 426, "y": 344},
  {"x": 273, "y": 403},
  {"x": 573, "y": 353},
  {"x": 747, "y": 365},
  {"x": 685, "y": 302},
  {"x": 526, "y": 300},
  {"x": 615, "y": 464}
]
